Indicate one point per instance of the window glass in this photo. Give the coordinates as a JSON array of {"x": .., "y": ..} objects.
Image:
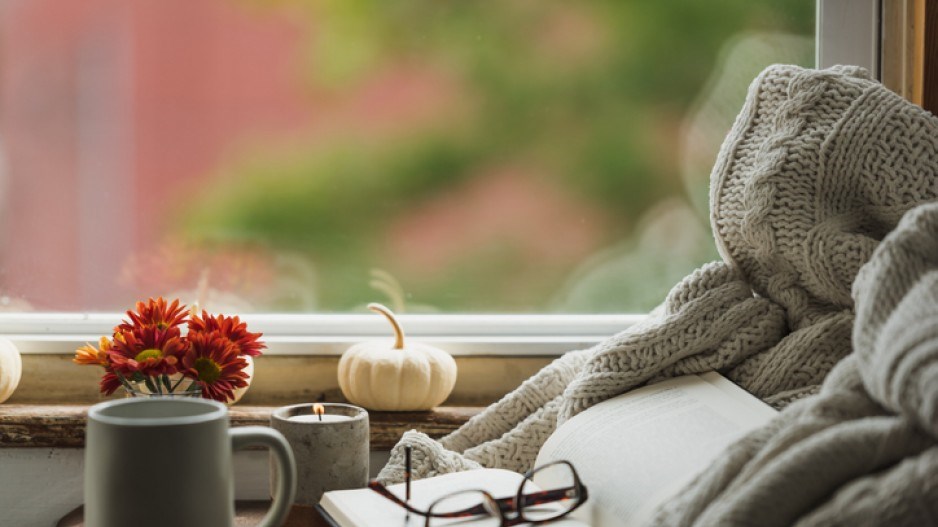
[{"x": 312, "y": 156}]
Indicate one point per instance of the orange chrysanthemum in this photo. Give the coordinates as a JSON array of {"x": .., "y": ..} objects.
[
  {"x": 232, "y": 328},
  {"x": 147, "y": 351},
  {"x": 155, "y": 313},
  {"x": 213, "y": 362},
  {"x": 89, "y": 355}
]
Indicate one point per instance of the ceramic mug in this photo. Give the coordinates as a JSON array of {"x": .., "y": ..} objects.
[{"x": 167, "y": 461}]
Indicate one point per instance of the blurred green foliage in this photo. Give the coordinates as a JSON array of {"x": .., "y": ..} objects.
[{"x": 590, "y": 95}]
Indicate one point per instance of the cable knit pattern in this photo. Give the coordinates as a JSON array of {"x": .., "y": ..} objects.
[
  {"x": 865, "y": 450},
  {"x": 818, "y": 167},
  {"x": 716, "y": 324}
]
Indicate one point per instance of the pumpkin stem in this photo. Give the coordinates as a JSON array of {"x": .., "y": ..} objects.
[{"x": 398, "y": 332}]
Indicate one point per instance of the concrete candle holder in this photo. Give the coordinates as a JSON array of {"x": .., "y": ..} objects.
[{"x": 331, "y": 454}]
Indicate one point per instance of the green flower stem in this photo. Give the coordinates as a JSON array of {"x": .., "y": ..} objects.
[
  {"x": 165, "y": 379},
  {"x": 182, "y": 378},
  {"x": 150, "y": 386},
  {"x": 124, "y": 382}
]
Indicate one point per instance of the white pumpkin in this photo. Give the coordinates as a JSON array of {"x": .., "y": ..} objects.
[
  {"x": 249, "y": 369},
  {"x": 11, "y": 368},
  {"x": 397, "y": 377}
]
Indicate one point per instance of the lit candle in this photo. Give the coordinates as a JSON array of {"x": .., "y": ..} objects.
[
  {"x": 330, "y": 444},
  {"x": 319, "y": 415}
]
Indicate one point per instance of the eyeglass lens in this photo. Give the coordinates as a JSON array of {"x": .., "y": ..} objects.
[
  {"x": 462, "y": 501},
  {"x": 552, "y": 493}
]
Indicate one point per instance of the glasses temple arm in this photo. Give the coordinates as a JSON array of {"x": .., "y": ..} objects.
[
  {"x": 382, "y": 490},
  {"x": 505, "y": 504}
]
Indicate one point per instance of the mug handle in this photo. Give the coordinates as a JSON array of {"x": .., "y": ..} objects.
[{"x": 286, "y": 489}]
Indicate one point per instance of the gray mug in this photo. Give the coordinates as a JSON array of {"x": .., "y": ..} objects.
[{"x": 167, "y": 461}]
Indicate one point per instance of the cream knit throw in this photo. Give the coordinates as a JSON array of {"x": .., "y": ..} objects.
[
  {"x": 818, "y": 167},
  {"x": 865, "y": 450}
]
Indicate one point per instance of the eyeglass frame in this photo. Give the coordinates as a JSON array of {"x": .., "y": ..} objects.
[{"x": 504, "y": 505}]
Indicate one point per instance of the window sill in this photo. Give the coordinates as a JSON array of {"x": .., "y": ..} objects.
[
  {"x": 278, "y": 380},
  {"x": 494, "y": 353},
  {"x": 48, "y": 426}
]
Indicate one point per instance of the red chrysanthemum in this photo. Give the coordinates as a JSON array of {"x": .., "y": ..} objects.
[
  {"x": 110, "y": 383},
  {"x": 148, "y": 351},
  {"x": 213, "y": 362},
  {"x": 232, "y": 328},
  {"x": 155, "y": 313}
]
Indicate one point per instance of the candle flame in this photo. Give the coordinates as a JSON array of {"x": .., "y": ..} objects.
[{"x": 318, "y": 409}]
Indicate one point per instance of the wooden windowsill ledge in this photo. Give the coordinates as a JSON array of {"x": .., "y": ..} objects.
[{"x": 50, "y": 426}]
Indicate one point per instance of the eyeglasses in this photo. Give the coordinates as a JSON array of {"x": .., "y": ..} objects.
[{"x": 557, "y": 493}]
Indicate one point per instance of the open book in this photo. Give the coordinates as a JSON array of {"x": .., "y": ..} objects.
[
  {"x": 632, "y": 453},
  {"x": 635, "y": 451}
]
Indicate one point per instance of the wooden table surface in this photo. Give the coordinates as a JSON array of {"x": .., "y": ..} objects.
[
  {"x": 247, "y": 513},
  {"x": 63, "y": 426}
]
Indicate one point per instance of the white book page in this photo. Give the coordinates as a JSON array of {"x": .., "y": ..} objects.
[
  {"x": 367, "y": 508},
  {"x": 636, "y": 450}
]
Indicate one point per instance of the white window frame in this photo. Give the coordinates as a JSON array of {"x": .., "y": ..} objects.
[
  {"x": 847, "y": 33},
  {"x": 331, "y": 334}
]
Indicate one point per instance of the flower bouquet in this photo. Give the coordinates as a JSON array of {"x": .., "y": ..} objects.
[{"x": 150, "y": 354}]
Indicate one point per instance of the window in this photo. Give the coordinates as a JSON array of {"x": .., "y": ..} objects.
[
  {"x": 540, "y": 160},
  {"x": 517, "y": 157}
]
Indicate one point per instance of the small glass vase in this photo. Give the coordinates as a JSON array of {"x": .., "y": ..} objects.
[{"x": 185, "y": 389}]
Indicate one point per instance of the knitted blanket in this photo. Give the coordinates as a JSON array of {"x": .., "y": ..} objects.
[
  {"x": 865, "y": 450},
  {"x": 817, "y": 169}
]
